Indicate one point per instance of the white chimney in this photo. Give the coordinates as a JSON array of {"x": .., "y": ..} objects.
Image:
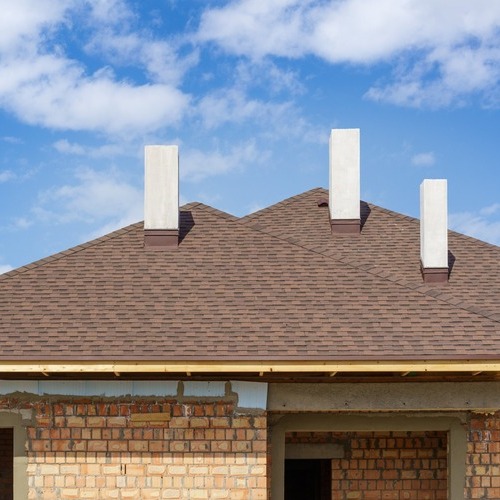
[
  {"x": 434, "y": 230},
  {"x": 344, "y": 199},
  {"x": 161, "y": 196}
]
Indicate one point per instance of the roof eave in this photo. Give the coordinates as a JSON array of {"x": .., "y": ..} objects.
[{"x": 238, "y": 366}]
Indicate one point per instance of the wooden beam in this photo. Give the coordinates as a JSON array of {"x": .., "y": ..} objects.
[{"x": 223, "y": 366}]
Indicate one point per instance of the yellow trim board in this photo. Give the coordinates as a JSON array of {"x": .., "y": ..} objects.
[{"x": 47, "y": 367}]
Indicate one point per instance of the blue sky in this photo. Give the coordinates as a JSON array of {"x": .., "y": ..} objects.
[{"x": 249, "y": 90}]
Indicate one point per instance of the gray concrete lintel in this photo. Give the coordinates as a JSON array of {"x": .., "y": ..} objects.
[{"x": 408, "y": 396}]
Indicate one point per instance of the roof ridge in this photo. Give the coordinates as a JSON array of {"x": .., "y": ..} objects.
[
  {"x": 420, "y": 288},
  {"x": 69, "y": 251},
  {"x": 212, "y": 210},
  {"x": 101, "y": 239},
  {"x": 248, "y": 218},
  {"x": 456, "y": 234},
  {"x": 191, "y": 204},
  {"x": 476, "y": 241}
]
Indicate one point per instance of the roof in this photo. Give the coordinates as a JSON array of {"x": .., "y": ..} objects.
[{"x": 274, "y": 285}]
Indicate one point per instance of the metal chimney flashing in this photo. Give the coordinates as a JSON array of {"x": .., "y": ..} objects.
[
  {"x": 434, "y": 274},
  {"x": 160, "y": 238},
  {"x": 345, "y": 226},
  {"x": 161, "y": 197},
  {"x": 344, "y": 189}
]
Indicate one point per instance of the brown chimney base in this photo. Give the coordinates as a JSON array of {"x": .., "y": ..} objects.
[
  {"x": 158, "y": 239},
  {"x": 345, "y": 226},
  {"x": 434, "y": 274}
]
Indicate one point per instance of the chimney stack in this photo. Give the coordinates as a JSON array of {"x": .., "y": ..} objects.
[
  {"x": 344, "y": 199},
  {"x": 161, "y": 196},
  {"x": 434, "y": 230}
]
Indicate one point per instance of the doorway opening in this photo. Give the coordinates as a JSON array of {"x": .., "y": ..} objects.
[
  {"x": 391, "y": 452},
  {"x": 6, "y": 463},
  {"x": 308, "y": 478}
]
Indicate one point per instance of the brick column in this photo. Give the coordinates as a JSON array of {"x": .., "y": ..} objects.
[{"x": 483, "y": 457}]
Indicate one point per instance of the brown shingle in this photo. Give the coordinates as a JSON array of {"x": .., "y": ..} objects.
[{"x": 273, "y": 285}]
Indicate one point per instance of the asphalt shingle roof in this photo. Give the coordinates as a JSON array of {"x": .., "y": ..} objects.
[{"x": 275, "y": 285}]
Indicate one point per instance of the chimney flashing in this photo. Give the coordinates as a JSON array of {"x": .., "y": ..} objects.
[
  {"x": 344, "y": 192},
  {"x": 345, "y": 226},
  {"x": 160, "y": 238},
  {"x": 434, "y": 274}
]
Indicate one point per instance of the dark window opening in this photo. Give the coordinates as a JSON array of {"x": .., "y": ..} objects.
[{"x": 309, "y": 479}]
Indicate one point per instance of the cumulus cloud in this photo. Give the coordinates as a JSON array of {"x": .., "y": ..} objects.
[
  {"x": 101, "y": 198},
  {"x": 64, "y": 146},
  {"x": 424, "y": 159},
  {"x": 22, "y": 20},
  {"x": 268, "y": 75},
  {"x": 483, "y": 224},
  {"x": 159, "y": 58},
  {"x": 40, "y": 85},
  {"x": 234, "y": 106},
  {"x": 450, "y": 48},
  {"x": 198, "y": 165},
  {"x": 230, "y": 106},
  {"x": 55, "y": 92}
]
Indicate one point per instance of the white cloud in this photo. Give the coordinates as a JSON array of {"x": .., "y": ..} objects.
[
  {"x": 12, "y": 140},
  {"x": 450, "y": 47},
  {"x": 266, "y": 74},
  {"x": 460, "y": 70},
  {"x": 424, "y": 159},
  {"x": 96, "y": 198},
  {"x": 345, "y": 31},
  {"x": 22, "y": 20},
  {"x": 6, "y": 175},
  {"x": 198, "y": 165},
  {"x": 159, "y": 58},
  {"x": 281, "y": 119},
  {"x": 482, "y": 224},
  {"x": 54, "y": 92},
  {"x": 231, "y": 106},
  {"x": 109, "y": 11},
  {"x": 22, "y": 223},
  {"x": 491, "y": 210},
  {"x": 5, "y": 268},
  {"x": 63, "y": 146},
  {"x": 40, "y": 85}
]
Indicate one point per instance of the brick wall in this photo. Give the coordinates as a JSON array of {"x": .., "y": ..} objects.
[
  {"x": 483, "y": 457},
  {"x": 6, "y": 463},
  {"x": 162, "y": 449},
  {"x": 386, "y": 465},
  {"x": 90, "y": 448}
]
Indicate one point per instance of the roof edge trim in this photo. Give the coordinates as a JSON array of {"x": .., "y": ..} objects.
[{"x": 117, "y": 367}]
